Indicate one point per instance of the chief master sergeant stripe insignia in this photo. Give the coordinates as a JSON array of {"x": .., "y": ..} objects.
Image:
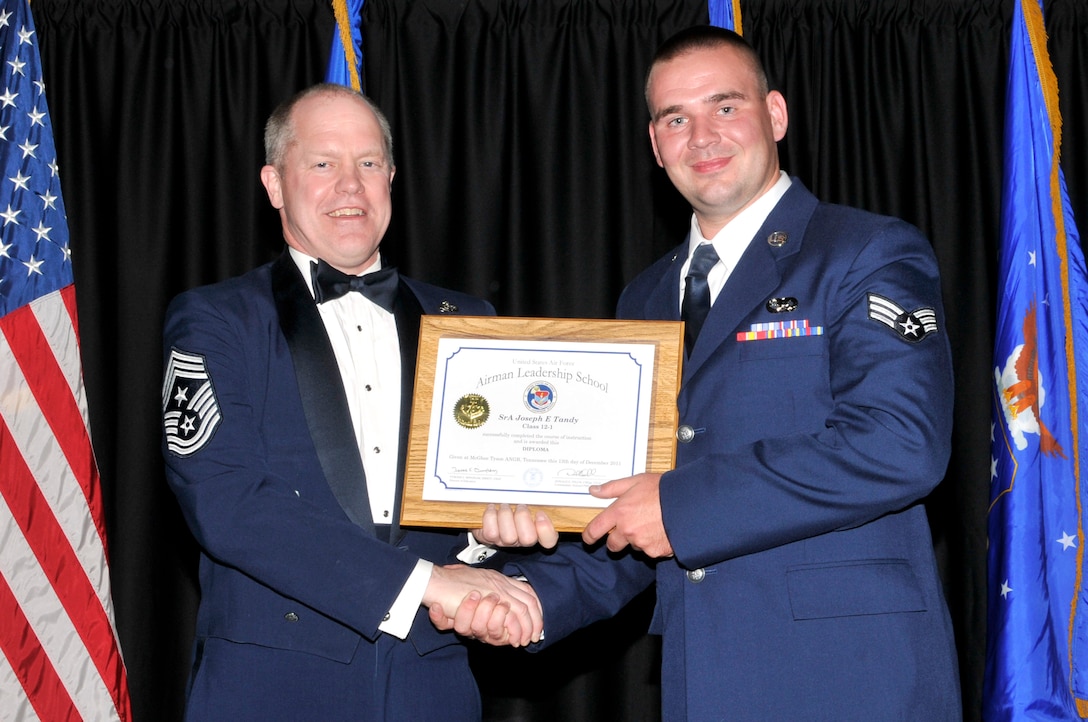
[
  {"x": 189, "y": 407},
  {"x": 911, "y": 326}
]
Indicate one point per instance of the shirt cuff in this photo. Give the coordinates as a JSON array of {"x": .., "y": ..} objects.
[
  {"x": 398, "y": 621},
  {"x": 475, "y": 552}
]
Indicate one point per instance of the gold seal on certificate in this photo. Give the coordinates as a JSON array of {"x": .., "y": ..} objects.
[
  {"x": 535, "y": 411},
  {"x": 471, "y": 411}
]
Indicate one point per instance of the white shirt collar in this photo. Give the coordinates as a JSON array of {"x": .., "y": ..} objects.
[{"x": 733, "y": 239}]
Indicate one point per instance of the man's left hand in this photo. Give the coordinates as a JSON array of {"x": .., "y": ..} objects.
[
  {"x": 634, "y": 518},
  {"x": 506, "y": 526}
]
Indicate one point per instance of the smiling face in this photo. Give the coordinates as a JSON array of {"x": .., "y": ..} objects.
[
  {"x": 715, "y": 131},
  {"x": 332, "y": 188}
]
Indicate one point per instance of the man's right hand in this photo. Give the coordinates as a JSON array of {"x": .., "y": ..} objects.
[{"x": 485, "y": 605}]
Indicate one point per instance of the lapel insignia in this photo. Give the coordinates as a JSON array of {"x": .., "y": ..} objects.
[
  {"x": 780, "y": 329},
  {"x": 911, "y": 326},
  {"x": 778, "y": 239},
  {"x": 190, "y": 411},
  {"x": 782, "y": 305},
  {"x": 447, "y": 307}
]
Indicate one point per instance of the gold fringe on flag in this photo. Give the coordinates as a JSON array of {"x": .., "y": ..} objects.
[
  {"x": 343, "y": 25},
  {"x": 1033, "y": 19}
]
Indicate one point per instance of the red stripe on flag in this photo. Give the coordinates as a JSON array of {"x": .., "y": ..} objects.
[
  {"x": 68, "y": 295},
  {"x": 35, "y": 672},
  {"x": 59, "y": 563},
  {"x": 53, "y": 396},
  {"x": 49, "y": 386}
]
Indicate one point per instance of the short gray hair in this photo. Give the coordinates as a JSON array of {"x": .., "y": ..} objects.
[{"x": 279, "y": 131}]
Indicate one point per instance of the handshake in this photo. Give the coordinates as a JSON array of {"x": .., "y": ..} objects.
[
  {"x": 493, "y": 608},
  {"x": 484, "y": 604}
]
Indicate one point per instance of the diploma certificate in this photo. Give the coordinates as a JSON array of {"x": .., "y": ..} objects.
[
  {"x": 533, "y": 420},
  {"x": 536, "y": 422}
]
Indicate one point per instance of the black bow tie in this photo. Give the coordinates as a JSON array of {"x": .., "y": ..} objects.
[{"x": 329, "y": 283}]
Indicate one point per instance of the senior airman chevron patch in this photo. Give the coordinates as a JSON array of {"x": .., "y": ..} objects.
[
  {"x": 911, "y": 326},
  {"x": 190, "y": 411}
]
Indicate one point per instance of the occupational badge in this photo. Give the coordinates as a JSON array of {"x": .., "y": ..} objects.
[{"x": 782, "y": 305}]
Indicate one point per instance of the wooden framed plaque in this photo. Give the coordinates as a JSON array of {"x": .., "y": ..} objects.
[{"x": 534, "y": 411}]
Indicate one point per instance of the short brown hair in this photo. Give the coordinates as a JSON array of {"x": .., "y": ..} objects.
[{"x": 706, "y": 37}]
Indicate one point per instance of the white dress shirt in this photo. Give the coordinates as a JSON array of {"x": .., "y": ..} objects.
[
  {"x": 367, "y": 349},
  {"x": 732, "y": 240}
]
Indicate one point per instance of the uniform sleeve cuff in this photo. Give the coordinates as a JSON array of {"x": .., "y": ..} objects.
[
  {"x": 398, "y": 620},
  {"x": 475, "y": 552}
]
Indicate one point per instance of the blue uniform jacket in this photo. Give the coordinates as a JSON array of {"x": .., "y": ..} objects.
[
  {"x": 819, "y": 394},
  {"x": 264, "y": 463}
]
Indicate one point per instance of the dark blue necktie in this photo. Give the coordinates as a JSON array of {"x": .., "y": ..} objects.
[
  {"x": 697, "y": 294},
  {"x": 329, "y": 283}
]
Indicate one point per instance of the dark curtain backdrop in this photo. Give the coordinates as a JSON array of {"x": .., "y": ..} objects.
[{"x": 525, "y": 176}]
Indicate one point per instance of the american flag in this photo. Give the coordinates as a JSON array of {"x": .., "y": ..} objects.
[{"x": 59, "y": 654}]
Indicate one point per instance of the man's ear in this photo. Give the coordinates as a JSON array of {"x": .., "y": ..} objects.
[
  {"x": 270, "y": 177},
  {"x": 776, "y": 108}
]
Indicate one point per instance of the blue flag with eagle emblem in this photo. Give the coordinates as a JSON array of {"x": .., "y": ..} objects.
[{"x": 1037, "y": 622}]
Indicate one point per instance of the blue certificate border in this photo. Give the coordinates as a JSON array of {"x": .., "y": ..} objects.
[{"x": 551, "y": 352}]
